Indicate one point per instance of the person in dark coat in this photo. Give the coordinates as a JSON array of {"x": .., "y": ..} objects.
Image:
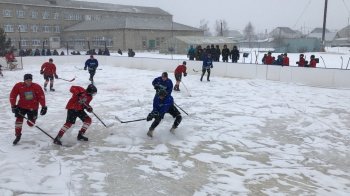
[
  {"x": 225, "y": 53},
  {"x": 234, "y": 54}
]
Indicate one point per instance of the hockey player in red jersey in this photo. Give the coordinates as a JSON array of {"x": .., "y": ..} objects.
[
  {"x": 178, "y": 75},
  {"x": 30, "y": 96},
  {"x": 48, "y": 69},
  {"x": 79, "y": 102}
]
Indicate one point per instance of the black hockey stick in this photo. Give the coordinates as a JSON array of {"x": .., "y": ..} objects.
[
  {"x": 67, "y": 80},
  {"x": 37, "y": 126},
  {"x": 98, "y": 117},
  {"x": 116, "y": 117},
  {"x": 195, "y": 70},
  {"x": 83, "y": 68},
  {"x": 181, "y": 108}
]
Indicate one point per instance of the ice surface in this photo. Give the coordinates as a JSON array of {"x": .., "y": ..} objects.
[{"x": 241, "y": 137}]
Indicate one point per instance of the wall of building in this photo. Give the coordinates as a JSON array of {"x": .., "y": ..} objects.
[{"x": 318, "y": 77}]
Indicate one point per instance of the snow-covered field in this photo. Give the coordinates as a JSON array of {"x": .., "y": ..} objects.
[{"x": 241, "y": 137}]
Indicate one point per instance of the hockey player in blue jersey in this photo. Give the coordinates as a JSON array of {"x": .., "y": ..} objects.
[
  {"x": 91, "y": 65},
  {"x": 163, "y": 83},
  {"x": 163, "y": 103}
]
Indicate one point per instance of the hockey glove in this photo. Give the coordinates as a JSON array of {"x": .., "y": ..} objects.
[
  {"x": 84, "y": 68},
  {"x": 149, "y": 117},
  {"x": 89, "y": 109},
  {"x": 41, "y": 72},
  {"x": 185, "y": 74},
  {"x": 56, "y": 76},
  {"x": 43, "y": 110},
  {"x": 211, "y": 66},
  {"x": 15, "y": 110}
]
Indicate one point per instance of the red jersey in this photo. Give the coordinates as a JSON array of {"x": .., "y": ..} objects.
[
  {"x": 301, "y": 62},
  {"x": 79, "y": 97},
  {"x": 48, "y": 69},
  {"x": 10, "y": 57},
  {"x": 29, "y": 96},
  {"x": 180, "y": 69},
  {"x": 313, "y": 63},
  {"x": 285, "y": 61},
  {"x": 269, "y": 60}
]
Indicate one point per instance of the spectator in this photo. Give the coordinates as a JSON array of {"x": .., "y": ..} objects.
[
  {"x": 225, "y": 53},
  {"x": 199, "y": 53},
  {"x": 301, "y": 62},
  {"x": 120, "y": 52},
  {"x": 106, "y": 52},
  {"x": 131, "y": 53},
  {"x": 269, "y": 59},
  {"x": 99, "y": 52},
  {"x": 218, "y": 53},
  {"x": 62, "y": 53},
  {"x": 234, "y": 54},
  {"x": 55, "y": 53},
  {"x": 191, "y": 53},
  {"x": 285, "y": 60},
  {"x": 313, "y": 61}
]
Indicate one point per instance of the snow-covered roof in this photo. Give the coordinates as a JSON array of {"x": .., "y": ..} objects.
[
  {"x": 90, "y": 6},
  {"x": 130, "y": 23},
  {"x": 197, "y": 40}
]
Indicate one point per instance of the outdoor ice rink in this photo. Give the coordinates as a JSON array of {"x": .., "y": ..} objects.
[{"x": 241, "y": 137}]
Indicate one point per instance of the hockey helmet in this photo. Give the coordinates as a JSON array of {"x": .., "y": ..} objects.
[
  {"x": 91, "y": 89},
  {"x": 28, "y": 77}
]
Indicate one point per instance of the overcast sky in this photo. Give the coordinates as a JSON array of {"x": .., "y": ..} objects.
[{"x": 263, "y": 14}]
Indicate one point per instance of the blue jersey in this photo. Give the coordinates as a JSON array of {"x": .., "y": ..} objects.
[
  {"x": 207, "y": 62},
  {"x": 162, "y": 106},
  {"x": 164, "y": 85},
  {"x": 92, "y": 64}
]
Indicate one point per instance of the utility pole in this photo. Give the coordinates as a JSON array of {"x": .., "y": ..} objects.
[
  {"x": 324, "y": 25},
  {"x": 221, "y": 32}
]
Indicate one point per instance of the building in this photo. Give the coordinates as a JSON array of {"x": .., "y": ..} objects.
[
  {"x": 317, "y": 33},
  {"x": 284, "y": 32},
  {"x": 84, "y": 25},
  {"x": 342, "y": 38}
]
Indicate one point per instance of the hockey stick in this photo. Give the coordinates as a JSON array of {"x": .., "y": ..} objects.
[
  {"x": 348, "y": 63},
  {"x": 181, "y": 109},
  {"x": 37, "y": 126},
  {"x": 323, "y": 61},
  {"x": 342, "y": 61},
  {"x": 83, "y": 68},
  {"x": 110, "y": 125},
  {"x": 189, "y": 94},
  {"x": 141, "y": 119},
  {"x": 99, "y": 117},
  {"x": 195, "y": 70},
  {"x": 67, "y": 80}
]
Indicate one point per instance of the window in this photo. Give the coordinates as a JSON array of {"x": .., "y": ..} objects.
[
  {"x": 24, "y": 42},
  {"x": 102, "y": 41},
  {"x": 57, "y": 29},
  {"x": 69, "y": 16},
  {"x": 8, "y": 28},
  {"x": 46, "y": 15},
  {"x": 35, "y": 28},
  {"x": 34, "y": 14},
  {"x": 20, "y": 14},
  {"x": 23, "y": 28},
  {"x": 36, "y": 42},
  {"x": 144, "y": 42},
  {"x": 46, "y": 29},
  {"x": 87, "y": 17},
  {"x": 56, "y": 16},
  {"x": 7, "y": 13}
]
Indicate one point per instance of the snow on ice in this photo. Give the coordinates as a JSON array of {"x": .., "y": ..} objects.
[{"x": 241, "y": 137}]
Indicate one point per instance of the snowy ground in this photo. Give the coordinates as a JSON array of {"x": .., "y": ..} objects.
[{"x": 241, "y": 137}]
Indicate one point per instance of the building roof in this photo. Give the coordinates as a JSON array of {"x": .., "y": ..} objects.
[
  {"x": 129, "y": 23},
  {"x": 285, "y": 30},
  {"x": 344, "y": 32},
  {"x": 90, "y": 6},
  {"x": 198, "y": 40},
  {"x": 319, "y": 30}
]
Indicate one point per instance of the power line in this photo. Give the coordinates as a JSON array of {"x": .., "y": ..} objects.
[{"x": 302, "y": 13}]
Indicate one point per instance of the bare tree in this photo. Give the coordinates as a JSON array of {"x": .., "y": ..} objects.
[
  {"x": 5, "y": 43},
  {"x": 249, "y": 33},
  {"x": 205, "y": 27},
  {"x": 221, "y": 27}
]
